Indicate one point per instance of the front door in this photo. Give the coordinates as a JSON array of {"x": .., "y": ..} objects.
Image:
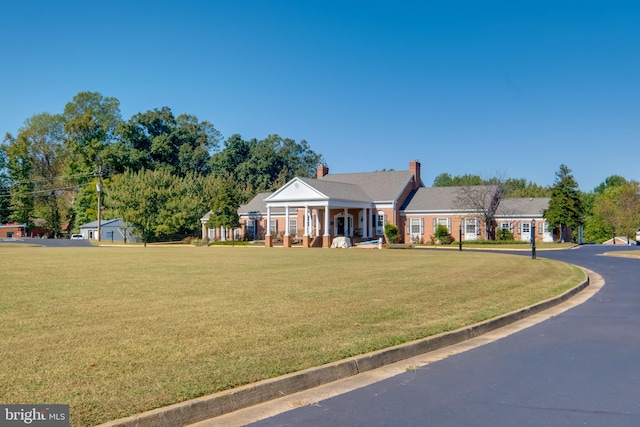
[
  {"x": 343, "y": 226},
  {"x": 340, "y": 226},
  {"x": 526, "y": 232}
]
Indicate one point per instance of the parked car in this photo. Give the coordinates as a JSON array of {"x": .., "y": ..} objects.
[
  {"x": 638, "y": 237},
  {"x": 77, "y": 237}
]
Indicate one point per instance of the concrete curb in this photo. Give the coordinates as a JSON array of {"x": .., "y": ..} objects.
[{"x": 200, "y": 409}]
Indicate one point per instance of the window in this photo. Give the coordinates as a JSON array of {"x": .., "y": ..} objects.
[
  {"x": 506, "y": 226},
  {"x": 273, "y": 226},
  {"x": 293, "y": 226},
  {"x": 545, "y": 227},
  {"x": 250, "y": 228},
  {"x": 442, "y": 221},
  {"x": 416, "y": 225},
  {"x": 470, "y": 226},
  {"x": 380, "y": 223},
  {"x": 526, "y": 227}
]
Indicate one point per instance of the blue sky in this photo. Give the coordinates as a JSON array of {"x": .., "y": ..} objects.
[{"x": 495, "y": 88}]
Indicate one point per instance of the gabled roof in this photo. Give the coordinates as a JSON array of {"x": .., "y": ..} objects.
[
  {"x": 442, "y": 199},
  {"x": 523, "y": 207},
  {"x": 378, "y": 186},
  {"x": 338, "y": 190},
  {"x": 257, "y": 204},
  {"x": 118, "y": 222}
]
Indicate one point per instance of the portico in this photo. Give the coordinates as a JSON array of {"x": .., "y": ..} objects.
[{"x": 321, "y": 211}]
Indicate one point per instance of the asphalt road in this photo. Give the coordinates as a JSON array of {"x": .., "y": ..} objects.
[{"x": 579, "y": 368}]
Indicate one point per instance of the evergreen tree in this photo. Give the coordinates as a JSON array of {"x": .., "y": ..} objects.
[{"x": 565, "y": 207}]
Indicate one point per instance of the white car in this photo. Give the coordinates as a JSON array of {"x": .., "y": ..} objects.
[{"x": 77, "y": 237}]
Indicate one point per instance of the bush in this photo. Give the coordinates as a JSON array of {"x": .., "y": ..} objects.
[
  {"x": 441, "y": 232},
  {"x": 447, "y": 240},
  {"x": 505, "y": 235},
  {"x": 392, "y": 232},
  {"x": 442, "y": 236}
]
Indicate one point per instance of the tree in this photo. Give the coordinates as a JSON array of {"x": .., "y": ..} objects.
[
  {"x": 158, "y": 204},
  {"x": 610, "y": 181},
  {"x": 596, "y": 228},
  {"x": 565, "y": 207},
  {"x": 514, "y": 187},
  {"x": 225, "y": 207},
  {"x": 5, "y": 193},
  {"x": 619, "y": 207},
  {"x": 157, "y": 139},
  {"x": 482, "y": 201},
  {"x": 443, "y": 180},
  {"x": 90, "y": 124},
  {"x": 263, "y": 165},
  {"x": 44, "y": 136},
  {"x": 446, "y": 180},
  {"x": 18, "y": 166},
  {"x": 138, "y": 198}
]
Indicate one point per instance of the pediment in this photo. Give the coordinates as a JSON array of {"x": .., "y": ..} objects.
[{"x": 296, "y": 190}]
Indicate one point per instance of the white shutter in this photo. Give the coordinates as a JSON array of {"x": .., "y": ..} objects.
[
  {"x": 435, "y": 225},
  {"x": 421, "y": 225},
  {"x": 449, "y": 224},
  {"x": 477, "y": 227}
]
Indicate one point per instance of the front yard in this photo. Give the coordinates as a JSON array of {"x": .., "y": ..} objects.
[{"x": 117, "y": 331}]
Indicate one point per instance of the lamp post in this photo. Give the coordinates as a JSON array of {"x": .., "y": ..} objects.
[
  {"x": 99, "y": 190},
  {"x": 533, "y": 239}
]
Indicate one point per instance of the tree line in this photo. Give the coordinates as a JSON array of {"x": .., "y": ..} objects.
[
  {"x": 161, "y": 172},
  {"x": 611, "y": 209},
  {"x": 158, "y": 171}
]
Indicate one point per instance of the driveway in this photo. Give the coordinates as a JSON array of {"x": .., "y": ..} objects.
[{"x": 579, "y": 368}]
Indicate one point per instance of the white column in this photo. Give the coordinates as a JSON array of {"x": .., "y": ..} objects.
[
  {"x": 371, "y": 221},
  {"x": 268, "y": 221},
  {"x": 346, "y": 222},
  {"x": 317, "y": 222},
  {"x": 365, "y": 227},
  {"x": 306, "y": 220},
  {"x": 326, "y": 221},
  {"x": 286, "y": 220}
]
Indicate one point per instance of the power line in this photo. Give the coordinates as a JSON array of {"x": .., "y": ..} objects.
[
  {"x": 38, "y": 179},
  {"x": 44, "y": 191}
]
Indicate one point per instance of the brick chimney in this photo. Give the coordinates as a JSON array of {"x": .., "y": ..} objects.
[
  {"x": 414, "y": 168},
  {"x": 322, "y": 171}
]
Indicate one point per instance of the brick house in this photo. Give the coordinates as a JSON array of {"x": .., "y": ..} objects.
[
  {"x": 518, "y": 215},
  {"x": 312, "y": 211},
  {"x": 13, "y": 230},
  {"x": 457, "y": 208}
]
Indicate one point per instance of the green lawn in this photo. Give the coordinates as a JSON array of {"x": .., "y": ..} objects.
[{"x": 116, "y": 331}]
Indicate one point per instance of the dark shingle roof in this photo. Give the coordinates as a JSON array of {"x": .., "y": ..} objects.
[
  {"x": 523, "y": 206},
  {"x": 338, "y": 190},
  {"x": 257, "y": 204},
  {"x": 441, "y": 199},
  {"x": 378, "y": 186}
]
